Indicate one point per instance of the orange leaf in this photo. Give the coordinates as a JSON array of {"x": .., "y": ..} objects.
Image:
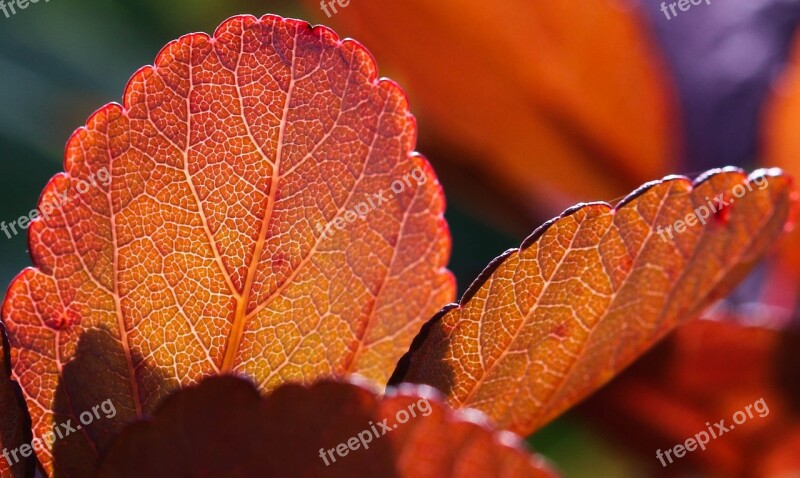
[
  {"x": 264, "y": 214},
  {"x": 706, "y": 372},
  {"x": 14, "y": 425},
  {"x": 590, "y": 291},
  {"x": 781, "y": 138},
  {"x": 331, "y": 429},
  {"x": 547, "y": 97}
]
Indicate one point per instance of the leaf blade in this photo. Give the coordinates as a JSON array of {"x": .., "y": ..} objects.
[
  {"x": 546, "y": 324},
  {"x": 15, "y": 426},
  {"x": 215, "y": 246},
  {"x": 285, "y": 434},
  {"x": 544, "y": 81},
  {"x": 705, "y": 371}
]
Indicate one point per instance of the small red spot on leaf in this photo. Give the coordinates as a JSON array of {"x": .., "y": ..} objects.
[
  {"x": 560, "y": 331},
  {"x": 722, "y": 215},
  {"x": 62, "y": 320}
]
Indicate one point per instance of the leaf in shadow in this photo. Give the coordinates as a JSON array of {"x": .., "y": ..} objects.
[
  {"x": 223, "y": 427},
  {"x": 15, "y": 422},
  {"x": 94, "y": 398}
]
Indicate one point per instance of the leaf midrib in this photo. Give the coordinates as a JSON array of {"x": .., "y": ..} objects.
[{"x": 237, "y": 329}]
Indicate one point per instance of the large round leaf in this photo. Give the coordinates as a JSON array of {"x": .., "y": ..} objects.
[{"x": 254, "y": 206}]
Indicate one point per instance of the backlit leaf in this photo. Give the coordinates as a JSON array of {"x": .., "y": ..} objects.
[
  {"x": 207, "y": 250},
  {"x": 706, "y": 372},
  {"x": 590, "y": 291},
  {"x": 546, "y": 97},
  {"x": 224, "y": 428},
  {"x": 14, "y": 424}
]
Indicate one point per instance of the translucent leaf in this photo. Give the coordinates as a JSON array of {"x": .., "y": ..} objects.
[{"x": 590, "y": 291}]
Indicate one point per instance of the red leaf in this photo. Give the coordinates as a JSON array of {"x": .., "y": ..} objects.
[
  {"x": 705, "y": 372},
  {"x": 224, "y": 428}
]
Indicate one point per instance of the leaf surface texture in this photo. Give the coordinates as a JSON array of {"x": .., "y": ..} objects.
[
  {"x": 209, "y": 250},
  {"x": 547, "y": 324}
]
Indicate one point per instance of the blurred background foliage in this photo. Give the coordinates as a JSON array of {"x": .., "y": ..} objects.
[{"x": 62, "y": 60}]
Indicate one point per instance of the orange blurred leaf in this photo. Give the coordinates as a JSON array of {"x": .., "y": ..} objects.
[
  {"x": 14, "y": 424},
  {"x": 590, "y": 291},
  {"x": 224, "y": 428},
  {"x": 705, "y": 372},
  {"x": 547, "y": 97},
  {"x": 251, "y": 223},
  {"x": 781, "y": 142}
]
